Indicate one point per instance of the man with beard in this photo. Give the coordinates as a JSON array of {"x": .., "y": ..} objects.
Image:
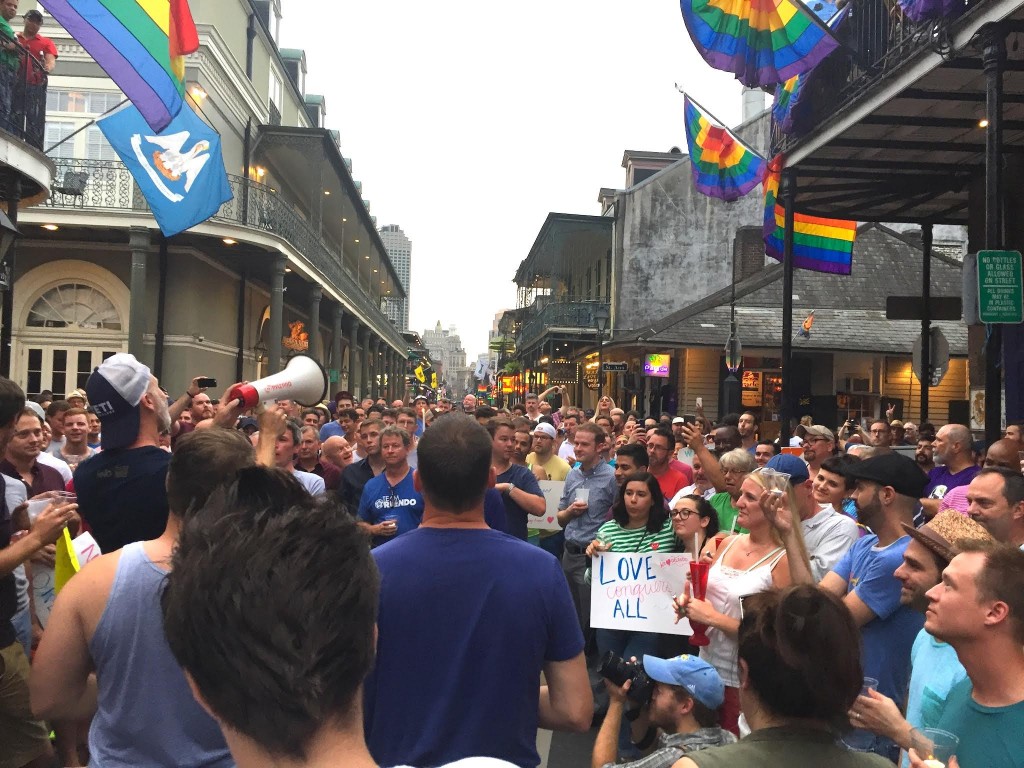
[
  {"x": 886, "y": 490},
  {"x": 469, "y": 404},
  {"x": 747, "y": 427},
  {"x": 681, "y": 716},
  {"x": 121, "y": 490},
  {"x": 523, "y": 441},
  {"x": 954, "y": 449},
  {"x": 925, "y": 455},
  {"x": 935, "y": 668}
]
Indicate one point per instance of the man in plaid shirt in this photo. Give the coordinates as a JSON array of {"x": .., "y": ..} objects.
[{"x": 681, "y": 715}]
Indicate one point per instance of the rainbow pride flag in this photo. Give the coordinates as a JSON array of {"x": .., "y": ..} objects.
[
  {"x": 786, "y": 96},
  {"x": 140, "y": 44},
  {"x": 787, "y": 111},
  {"x": 723, "y": 166},
  {"x": 762, "y": 42},
  {"x": 819, "y": 244}
]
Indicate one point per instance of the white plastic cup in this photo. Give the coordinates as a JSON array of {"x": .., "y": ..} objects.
[{"x": 583, "y": 495}]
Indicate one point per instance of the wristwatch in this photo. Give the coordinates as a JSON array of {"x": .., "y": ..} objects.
[{"x": 511, "y": 487}]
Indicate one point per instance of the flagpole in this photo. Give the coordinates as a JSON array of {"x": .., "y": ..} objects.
[
  {"x": 72, "y": 135},
  {"x": 96, "y": 119}
]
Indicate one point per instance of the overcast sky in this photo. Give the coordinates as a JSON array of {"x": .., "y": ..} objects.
[{"x": 467, "y": 122}]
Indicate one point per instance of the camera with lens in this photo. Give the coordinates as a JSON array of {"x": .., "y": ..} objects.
[{"x": 618, "y": 670}]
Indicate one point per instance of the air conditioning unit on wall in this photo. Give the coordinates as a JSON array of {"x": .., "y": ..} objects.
[{"x": 854, "y": 386}]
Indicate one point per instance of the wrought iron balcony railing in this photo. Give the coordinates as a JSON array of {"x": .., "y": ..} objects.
[
  {"x": 877, "y": 40},
  {"x": 570, "y": 315},
  {"x": 23, "y": 80},
  {"x": 100, "y": 185}
]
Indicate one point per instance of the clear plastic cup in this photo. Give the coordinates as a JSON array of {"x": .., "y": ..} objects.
[
  {"x": 583, "y": 494},
  {"x": 778, "y": 483},
  {"x": 942, "y": 745},
  {"x": 36, "y": 507},
  {"x": 858, "y": 739}
]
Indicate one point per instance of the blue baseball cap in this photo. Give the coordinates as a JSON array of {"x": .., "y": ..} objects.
[
  {"x": 793, "y": 466},
  {"x": 689, "y": 672}
]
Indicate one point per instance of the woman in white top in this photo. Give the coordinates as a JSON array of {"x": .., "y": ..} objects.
[{"x": 745, "y": 564}]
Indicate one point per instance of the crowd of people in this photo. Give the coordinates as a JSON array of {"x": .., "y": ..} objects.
[{"x": 362, "y": 583}]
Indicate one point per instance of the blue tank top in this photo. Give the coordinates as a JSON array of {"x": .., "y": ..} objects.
[{"x": 146, "y": 715}]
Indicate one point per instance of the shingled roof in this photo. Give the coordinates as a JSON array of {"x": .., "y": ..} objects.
[{"x": 849, "y": 310}]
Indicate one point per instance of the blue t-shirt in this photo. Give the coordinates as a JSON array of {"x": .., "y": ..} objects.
[
  {"x": 468, "y": 619},
  {"x": 935, "y": 670},
  {"x": 989, "y": 736},
  {"x": 515, "y": 516},
  {"x": 886, "y": 640},
  {"x": 331, "y": 429},
  {"x": 381, "y": 501}
]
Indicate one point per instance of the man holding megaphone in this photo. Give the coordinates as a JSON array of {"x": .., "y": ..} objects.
[{"x": 122, "y": 494}]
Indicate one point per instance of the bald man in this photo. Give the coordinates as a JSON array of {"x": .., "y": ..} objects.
[
  {"x": 953, "y": 444},
  {"x": 337, "y": 451}
]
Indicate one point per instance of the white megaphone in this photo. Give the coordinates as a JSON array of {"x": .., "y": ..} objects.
[{"x": 303, "y": 380}]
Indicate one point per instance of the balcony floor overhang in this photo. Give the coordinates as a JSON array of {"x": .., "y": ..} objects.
[
  {"x": 310, "y": 163},
  {"x": 910, "y": 147},
  {"x": 564, "y": 239}
]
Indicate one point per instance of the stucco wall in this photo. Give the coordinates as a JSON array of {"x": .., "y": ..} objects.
[{"x": 676, "y": 243}]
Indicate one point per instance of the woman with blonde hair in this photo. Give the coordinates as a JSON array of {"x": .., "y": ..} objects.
[
  {"x": 604, "y": 408},
  {"x": 746, "y": 563}
]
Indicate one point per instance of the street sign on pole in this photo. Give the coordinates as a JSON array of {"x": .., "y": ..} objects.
[
  {"x": 1000, "y": 287},
  {"x": 939, "y": 358},
  {"x": 615, "y": 367},
  {"x": 912, "y": 308}
]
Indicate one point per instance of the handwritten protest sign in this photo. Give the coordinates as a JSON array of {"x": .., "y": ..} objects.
[
  {"x": 634, "y": 591},
  {"x": 553, "y": 490}
]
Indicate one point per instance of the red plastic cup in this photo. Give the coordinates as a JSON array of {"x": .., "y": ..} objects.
[{"x": 699, "y": 585}]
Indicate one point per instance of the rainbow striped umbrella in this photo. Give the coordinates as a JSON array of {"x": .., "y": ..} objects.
[
  {"x": 140, "y": 44},
  {"x": 723, "y": 166},
  {"x": 819, "y": 244},
  {"x": 762, "y": 42}
]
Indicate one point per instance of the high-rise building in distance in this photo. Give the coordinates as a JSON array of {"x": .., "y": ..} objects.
[{"x": 399, "y": 248}]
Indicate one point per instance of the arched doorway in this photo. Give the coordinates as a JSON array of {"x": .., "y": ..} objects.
[{"x": 69, "y": 316}]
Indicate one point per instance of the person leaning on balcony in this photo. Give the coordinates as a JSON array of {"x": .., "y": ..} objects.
[
  {"x": 45, "y": 52},
  {"x": 8, "y": 60}
]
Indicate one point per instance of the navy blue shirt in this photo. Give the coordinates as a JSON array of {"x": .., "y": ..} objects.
[
  {"x": 468, "y": 619},
  {"x": 517, "y": 517},
  {"x": 122, "y": 494}
]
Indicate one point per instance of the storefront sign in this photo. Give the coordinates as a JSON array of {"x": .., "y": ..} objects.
[
  {"x": 751, "y": 389},
  {"x": 298, "y": 340}
]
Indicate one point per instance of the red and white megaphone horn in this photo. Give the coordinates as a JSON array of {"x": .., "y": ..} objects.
[{"x": 303, "y": 380}]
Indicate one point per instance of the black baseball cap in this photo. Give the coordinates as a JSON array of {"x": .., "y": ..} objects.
[
  {"x": 892, "y": 469},
  {"x": 34, "y": 15}
]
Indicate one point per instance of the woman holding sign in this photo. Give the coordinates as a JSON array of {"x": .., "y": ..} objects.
[
  {"x": 639, "y": 524},
  {"x": 745, "y": 564}
]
